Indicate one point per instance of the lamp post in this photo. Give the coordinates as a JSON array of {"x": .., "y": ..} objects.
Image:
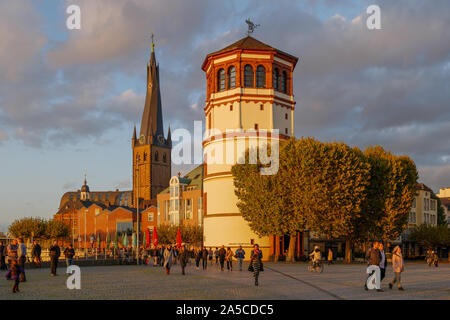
[{"x": 85, "y": 213}]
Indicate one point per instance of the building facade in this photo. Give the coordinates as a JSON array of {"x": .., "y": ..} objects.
[{"x": 249, "y": 103}]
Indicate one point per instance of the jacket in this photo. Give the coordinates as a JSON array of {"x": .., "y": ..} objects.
[
  {"x": 55, "y": 252},
  {"x": 168, "y": 258},
  {"x": 374, "y": 257},
  {"x": 69, "y": 253},
  {"x": 240, "y": 254},
  {"x": 22, "y": 250},
  {"x": 36, "y": 251},
  {"x": 397, "y": 262},
  {"x": 183, "y": 258},
  {"x": 222, "y": 253}
]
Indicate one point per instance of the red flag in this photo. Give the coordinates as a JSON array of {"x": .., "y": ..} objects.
[
  {"x": 155, "y": 237},
  {"x": 179, "y": 239},
  {"x": 147, "y": 238}
]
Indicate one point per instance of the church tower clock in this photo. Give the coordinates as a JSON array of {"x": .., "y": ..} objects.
[{"x": 151, "y": 150}]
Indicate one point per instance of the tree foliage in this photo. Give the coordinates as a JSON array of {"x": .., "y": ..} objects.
[
  {"x": 328, "y": 188},
  {"x": 441, "y": 217},
  {"x": 167, "y": 234},
  {"x": 431, "y": 236},
  {"x": 56, "y": 229},
  {"x": 28, "y": 227}
]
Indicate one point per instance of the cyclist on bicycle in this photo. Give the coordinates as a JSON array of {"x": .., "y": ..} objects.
[{"x": 316, "y": 257}]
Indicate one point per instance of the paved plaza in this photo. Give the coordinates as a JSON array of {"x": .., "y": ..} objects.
[{"x": 278, "y": 281}]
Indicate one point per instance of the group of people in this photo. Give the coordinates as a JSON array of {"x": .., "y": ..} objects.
[
  {"x": 167, "y": 256},
  {"x": 377, "y": 260}
]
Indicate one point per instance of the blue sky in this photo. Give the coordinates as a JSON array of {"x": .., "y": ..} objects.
[{"x": 69, "y": 99}]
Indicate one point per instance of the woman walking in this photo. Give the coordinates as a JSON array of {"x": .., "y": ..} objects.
[
  {"x": 398, "y": 266},
  {"x": 198, "y": 256},
  {"x": 255, "y": 262},
  {"x": 168, "y": 258},
  {"x": 229, "y": 258}
]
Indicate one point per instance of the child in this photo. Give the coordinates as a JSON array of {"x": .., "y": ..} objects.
[{"x": 15, "y": 274}]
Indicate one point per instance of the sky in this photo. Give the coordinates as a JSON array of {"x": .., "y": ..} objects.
[{"x": 69, "y": 98}]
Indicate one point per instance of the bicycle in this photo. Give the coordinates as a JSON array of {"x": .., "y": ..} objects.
[{"x": 319, "y": 266}]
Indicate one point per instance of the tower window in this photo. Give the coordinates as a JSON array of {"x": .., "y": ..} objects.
[
  {"x": 286, "y": 130},
  {"x": 231, "y": 107},
  {"x": 221, "y": 80},
  {"x": 260, "y": 77},
  {"x": 156, "y": 156},
  {"x": 276, "y": 79},
  {"x": 231, "y": 77},
  {"x": 248, "y": 76},
  {"x": 286, "y": 116},
  {"x": 261, "y": 107},
  {"x": 164, "y": 158},
  {"x": 284, "y": 82},
  {"x": 145, "y": 156},
  {"x": 256, "y": 126}
]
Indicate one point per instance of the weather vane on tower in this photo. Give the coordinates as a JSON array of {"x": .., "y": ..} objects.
[{"x": 251, "y": 26}]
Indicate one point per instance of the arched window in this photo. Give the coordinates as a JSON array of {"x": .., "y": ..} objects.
[
  {"x": 145, "y": 156},
  {"x": 231, "y": 77},
  {"x": 276, "y": 79},
  {"x": 284, "y": 82},
  {"x": 164, "y": 158},
  {"x": 248, "y": 76},
  {"x": 260, "y": 77},
  {"x": 221, "y": 80},
  {"x": 156, "y": 156}
]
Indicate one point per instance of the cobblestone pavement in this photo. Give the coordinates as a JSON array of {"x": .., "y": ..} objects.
[{"x": 278, "y": 281}]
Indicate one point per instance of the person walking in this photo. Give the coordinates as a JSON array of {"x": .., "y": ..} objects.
[
  {"x": 198, "y": 256},
  {"x": 216, "y": 255},
  {"x": 22, "y": 258},
  {"x": 383, "y": 262},
  {"x": 210, "y": 256},
  {"x": 69, "y": 252},
  {"x": 240, "y": 255},
  {"x": 204, "y": 258},
  {"x": 183, "y": 258},
  {"x": 15, "y": 275},
  {"x": 229, "y": 258},
  {"x": 374, "y": 258},
  {"x": 12, "y": 252},
  {"x": 2, "y": 256},
  {"x": 398, "y": 266},
  {"x": 330, "y": 256},
  {"x": 55, "y": 252},
  {"x": 222, "y": 255},
  {"x": 256, "y": 263},
  {"x": 168, "y": 258},
  {"x": 316, "y": 257}
]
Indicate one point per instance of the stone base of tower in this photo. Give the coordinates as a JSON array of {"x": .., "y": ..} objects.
[{"x": 231, "y": 230}]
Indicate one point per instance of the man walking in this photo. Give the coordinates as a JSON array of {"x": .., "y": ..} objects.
[
  {"x": 222, "y": 254},
  {"x": 183, "y": 258},
  {"x": 2, "y": 256},
  {"x": 216, "y": 255},
  {"x": 55, "y": 252},
  {"x": 240, "y": 255},
  {"x": 383, "y": 262},
  {"x": 204, "y": 258},
  {"x": 374, "y": 258},
  {"x": 22, "y": 258},
  {"x": 69, "y": 253}
]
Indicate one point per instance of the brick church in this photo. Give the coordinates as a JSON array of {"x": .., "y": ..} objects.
[{"x": 91, "y": 214}]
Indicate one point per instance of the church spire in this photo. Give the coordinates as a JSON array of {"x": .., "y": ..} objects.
[{"x": 152, "y": 123}]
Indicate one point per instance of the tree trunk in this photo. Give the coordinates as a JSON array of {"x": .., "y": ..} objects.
[
  {"x": 348, "y": 251},
  {"x": 277, "y": 248},
  {"x": 291, "y": 250}
]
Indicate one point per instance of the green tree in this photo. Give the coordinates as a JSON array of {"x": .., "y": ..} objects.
[
  {"x": 28, "y": 228},
  {"x": 431, "y": 236},
  {"x": 441, "y": 218},
  {"x": 390, "y": 194},
  {"x": 56, "y": 229}
]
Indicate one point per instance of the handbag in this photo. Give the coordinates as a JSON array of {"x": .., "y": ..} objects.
[{"x": 250, "y": 267}]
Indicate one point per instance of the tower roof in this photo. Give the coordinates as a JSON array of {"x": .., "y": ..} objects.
[
  {"x": 248, "y": 43},
  {"x": 152, "y": 123}
]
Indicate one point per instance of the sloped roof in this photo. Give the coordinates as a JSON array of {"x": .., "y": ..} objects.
[
  {"x": 249, "y": 43},
  {"x": 193, "y": 178}
]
